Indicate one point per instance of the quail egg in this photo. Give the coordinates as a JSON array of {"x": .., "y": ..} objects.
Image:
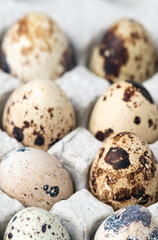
[
  {"x": 129, "y": 223},
  {"x": 37, "y": 224},
  {"x": 124, "y": 172},
  {"x": 126, "y": 106},
  {"x": 35, "y": 47},
  {"x": 126, "y": 52},
  {"x": 34, "y": 178},
  {"x": 38, "y": 114}
]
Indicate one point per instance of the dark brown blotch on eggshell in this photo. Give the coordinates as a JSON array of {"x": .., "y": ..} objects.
[
  {"x": 104, "y": 98},
  {"x": 150, "y": 122},
  {"x": 26, "y": 124},
  {"x": 121, "y": 135},
  {"x": 39, "y": 140},
  {"x": 118, "y": 158},
  {"x": 142, "y": 90},
  {"x": 122, "y": 195},
  {"x": 128, "y": 94},
  {"x": 138, "y": 191},
  {"x": 50, "y": 111},
  {"x": 100, "y": 172},
  {"x": 115, "y": 53},
  {"x": 135, "y": 35},
  {"x": 103, "y": 135},
  {"x": 137, "y": 120},
  {"x": 18, "y": 133},
  {"x": 101, "y": 152}
]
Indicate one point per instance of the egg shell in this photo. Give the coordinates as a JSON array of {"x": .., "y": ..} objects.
[
  {"x": 35, "y": 223},
  {"x": 126, "y": 106},
  {"x": 34, "y": 178},
  {"x": 38, "y": 114},
  {"x": 35, "y": 47},
  {"x": 124, "y": 172},
  {"x": 130, "y": 223},
  {"x": 126, "y": 52}
]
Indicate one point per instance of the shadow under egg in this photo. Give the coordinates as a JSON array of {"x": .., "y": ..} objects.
[{"x": 3, "y": 58}]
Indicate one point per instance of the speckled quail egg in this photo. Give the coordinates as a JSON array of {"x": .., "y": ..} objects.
[
  {"x": 126, "y": 52},
  {"x": 35, "y": 178},
  {"x": 35, "y": 47},
  {"x": 38, "y": 114},
  {"x": 129, "y": 223},
  {"x": 35, "y": 223},
  {"x": 124, "y": 172},
  {"x": 126, "y": 106}
]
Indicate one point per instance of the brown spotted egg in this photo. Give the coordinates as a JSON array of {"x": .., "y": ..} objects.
[
  {"x": 38, "y": 114},
  {"x": 126, "y": 106},
  {"x": 126, "y": 52},
  {"x": 35, "y": 178},
  {"x": 124, "y": 172},
  {"x": 35, "y": 47},
  {"x": 37, "y": 224},
  {"x": 129, "y": 223}
]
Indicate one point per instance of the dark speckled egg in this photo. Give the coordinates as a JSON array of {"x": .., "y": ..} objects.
[
  {"x": 35, "y": 47},
  {"x": 38, "y": 114},
  {"x": 34, "y": 178},
  {"x": 124, "y": 172},
  {"x": 129, "y": 223},
  {"x": 126, "y": 52},
  {"x": 37, "y": 224},
  {"x": 126, "y": 106}
]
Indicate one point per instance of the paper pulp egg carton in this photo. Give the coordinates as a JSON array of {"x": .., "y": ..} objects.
[{"x": 83, "y": 22}]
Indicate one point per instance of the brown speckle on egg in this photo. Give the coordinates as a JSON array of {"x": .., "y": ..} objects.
[
  {"x": 124, "y": 172},
  {"x": 35, "y": 47},
  {"x": 137, "y": 120},
  {"x": 130, "y": 108},
  {"x": 117, "y": 157},
  {"x": 103, "y": 135},
  {"x": 41, "y": 180},
  {"x": 43, "y": 124},
  {"x": 142, "y": 90},
  {"x": 119, "y": 55},
  {"x": 115, "y": 57},
  {"x": 18, "y": 133},
  {"x": 128, "y": 94},
  {"x": 150, "y": 122},
  {"x": 39, "y": 140},
  {"x": 35, "y": 223}
]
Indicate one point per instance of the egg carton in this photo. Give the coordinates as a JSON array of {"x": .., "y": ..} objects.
[{"x": 82, "y": 213}]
